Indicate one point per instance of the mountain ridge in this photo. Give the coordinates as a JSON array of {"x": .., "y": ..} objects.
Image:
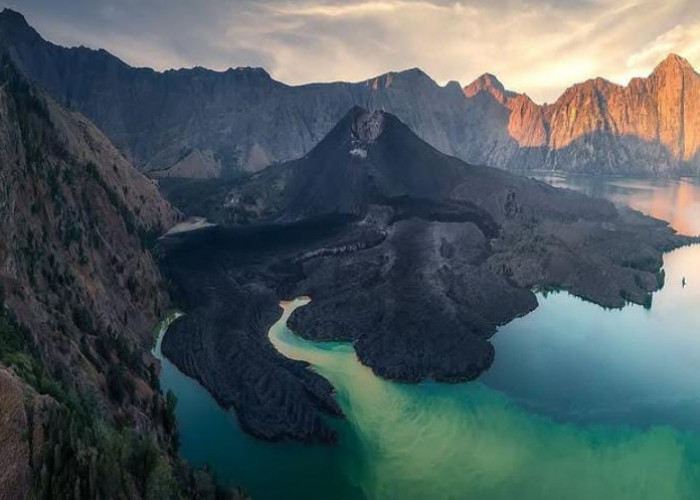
[{"x": 199, "y": 123}]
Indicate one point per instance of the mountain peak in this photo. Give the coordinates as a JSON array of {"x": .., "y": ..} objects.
[
  {"x": 12, "y": 15},
  {"x": 487, "y": 80},
  {"x": 366, "y": 126},
  {"x": 14, "y": 24},
  {"x": 673, "y": 61},
  {"x": 412, "y": 76},
  {"x": 488, "y": 83},
  {"x": 253, "y": 71},
  {"x": 414, "y": 72},
  {"x": 13, "y": 19},
  {"x": 368, "y": 157}
]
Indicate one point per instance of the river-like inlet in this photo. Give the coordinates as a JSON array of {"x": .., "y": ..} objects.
[{"x": 581, "y": 402}]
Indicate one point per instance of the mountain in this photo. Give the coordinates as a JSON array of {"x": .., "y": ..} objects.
[
  {"x": 650, "y": 126},
  {"x": 374, "y": 157},
  {"x": 80, "y": 293},
  {"x": 198, "y": 123},
  {"x": 413, "y": 256},
  {"x": 645, "y": 128}
]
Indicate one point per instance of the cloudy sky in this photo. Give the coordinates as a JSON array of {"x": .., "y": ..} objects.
[{"x": 535, "y": 46}]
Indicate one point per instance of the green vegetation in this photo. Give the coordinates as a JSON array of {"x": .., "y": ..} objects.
[
  {"x": 114, "y": 199},
  {"x": 105, "y": 433},
  {"x": 88, "y": 458},
  {"x": 18, "y": 351},
  {"x": 87, "y": 455},
  {"x": 32, "y": 114}
]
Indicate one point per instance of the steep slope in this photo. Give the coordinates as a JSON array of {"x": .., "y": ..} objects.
[
  {"x": 413, "y": 256},
  {"x": 507, "y": 130},
  {"x": 649, "y": 126},
  {"x": 79, "y": 295}
]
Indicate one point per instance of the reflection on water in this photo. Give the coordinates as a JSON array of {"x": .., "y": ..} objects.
[
  {"x": 581, "y": 403},
  {"x": 674, "y": 200}
]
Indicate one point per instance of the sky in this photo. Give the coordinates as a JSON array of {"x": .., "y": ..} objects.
[{"x": 539, "y": 47}]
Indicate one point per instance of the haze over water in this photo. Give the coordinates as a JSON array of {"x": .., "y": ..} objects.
[
  {"x": 581, "y": 402},
  {"x": 676, "y": 201}
]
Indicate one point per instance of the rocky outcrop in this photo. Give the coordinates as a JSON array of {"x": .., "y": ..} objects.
[
  {"x": 413, "y": 256},
  {"x": 645, "y": 128}
]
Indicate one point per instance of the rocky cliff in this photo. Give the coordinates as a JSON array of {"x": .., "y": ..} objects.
[
  {"x": 198, "y": 123},
  {"x": 650, "y": 126},
  {"x": 81, "y": 414}
]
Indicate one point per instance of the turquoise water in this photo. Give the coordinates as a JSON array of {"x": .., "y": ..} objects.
[
  {"x": 211, "y": 435},
  {"x": 581, "y": 403},
  {"x": 579, "y": 362}
]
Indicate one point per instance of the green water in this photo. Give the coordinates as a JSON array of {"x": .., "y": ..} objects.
[
  {"x": 581, "y": 403},
  {"x": 211, "y": 436},
  {"x": 467, "y": 440}
]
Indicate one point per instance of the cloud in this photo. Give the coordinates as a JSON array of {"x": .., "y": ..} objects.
[
  {"x": 349, "y": 9},
  {"x": 536, "y": 46},
  {"x": 682, "y": 39}
]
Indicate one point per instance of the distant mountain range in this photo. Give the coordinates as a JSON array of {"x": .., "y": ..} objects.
[{"x": 199, "y": 123}]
